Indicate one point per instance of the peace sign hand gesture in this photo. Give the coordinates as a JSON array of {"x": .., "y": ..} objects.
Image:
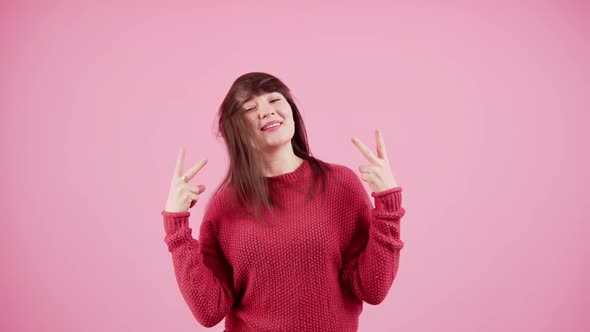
[
  {"x": 183, "y": 195},
  {"x": 378, "y": 173}
]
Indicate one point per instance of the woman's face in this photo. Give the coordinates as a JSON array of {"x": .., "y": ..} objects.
[{"x": 267, "y": 109}]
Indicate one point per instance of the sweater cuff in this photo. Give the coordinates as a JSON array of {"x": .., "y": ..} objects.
[
  {"x": 388, "y": 200},
  {"x": 174, "y": 221}
]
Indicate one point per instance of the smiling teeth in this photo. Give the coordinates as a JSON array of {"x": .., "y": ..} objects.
[{"x": 272, "y": 125}]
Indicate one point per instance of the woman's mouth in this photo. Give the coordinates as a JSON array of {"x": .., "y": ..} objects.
[{"x": 273, "y": 127}]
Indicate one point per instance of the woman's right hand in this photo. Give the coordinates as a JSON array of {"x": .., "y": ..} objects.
[{"x": 183, "y": 195}]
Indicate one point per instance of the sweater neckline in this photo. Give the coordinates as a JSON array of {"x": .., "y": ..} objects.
[{"x": 290, "y": 177}]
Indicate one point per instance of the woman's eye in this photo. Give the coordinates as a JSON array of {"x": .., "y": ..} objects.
[{"x": 251, "y": 108}]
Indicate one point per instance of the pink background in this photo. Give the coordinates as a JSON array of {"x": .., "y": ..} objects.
[{"x": 483, "y": 108}]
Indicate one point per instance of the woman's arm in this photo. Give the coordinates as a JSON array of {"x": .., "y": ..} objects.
[
  {"x": 371, "y": 262},
  {"x": 203, "y": 274}
]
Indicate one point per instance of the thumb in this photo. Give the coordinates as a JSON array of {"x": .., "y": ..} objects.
[{"x": 201, "y": 189}]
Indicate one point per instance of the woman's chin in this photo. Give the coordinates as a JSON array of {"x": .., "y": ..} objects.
[{"x": 275, "y": 144}]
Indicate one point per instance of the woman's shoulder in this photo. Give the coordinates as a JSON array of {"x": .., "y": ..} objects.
[
  {"x": 337, "y": 169},
  {"x": 218, "y": 202},
  {"x": 341, "y": 175}
]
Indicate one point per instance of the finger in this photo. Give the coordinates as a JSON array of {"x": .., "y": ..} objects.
[
  {"x": 364, "y": 149},
  {"x": 195, "y": 189},
  {"x": 179, "y": 163},
  {"x": 381, "y": 151},
  {"x": 191, "y": 198},
  {"x": 366, "y": 177},
  {"x": 194, "y": 200},
  {"x": 366, "y": 169},
  {"x": 194, "y": 170},
  {"x": 201, "y": 189},
  {"x": 191, "y": 188}
]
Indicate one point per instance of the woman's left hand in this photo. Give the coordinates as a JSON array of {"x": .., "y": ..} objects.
[{"x": 378, "y": 173}]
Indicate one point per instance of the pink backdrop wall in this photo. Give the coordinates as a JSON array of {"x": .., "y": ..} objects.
[{"x": 483, "y": 108}]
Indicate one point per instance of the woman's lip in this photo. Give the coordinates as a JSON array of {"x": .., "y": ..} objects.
[
  {"x": 274, "y": 127},
  {"x": 280, "y": 124}
]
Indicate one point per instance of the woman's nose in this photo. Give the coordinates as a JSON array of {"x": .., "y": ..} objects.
[{"x": 265, "y": 110}]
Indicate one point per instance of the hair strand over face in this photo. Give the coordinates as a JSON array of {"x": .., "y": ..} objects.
[{"x": 246, "y": 183}]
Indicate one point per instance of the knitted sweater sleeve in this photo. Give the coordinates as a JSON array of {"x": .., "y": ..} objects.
[
  {"x": 371, "y": 261},
  {"x": 202, "y": 271}
]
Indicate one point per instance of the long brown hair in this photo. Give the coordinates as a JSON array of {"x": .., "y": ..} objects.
[{"x": 244, "y": 178}]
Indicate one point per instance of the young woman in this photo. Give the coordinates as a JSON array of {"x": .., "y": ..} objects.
[{"x": 288, "y": 242}]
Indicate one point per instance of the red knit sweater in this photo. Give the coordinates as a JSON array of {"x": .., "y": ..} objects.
[{"x": 308, "y": 269}]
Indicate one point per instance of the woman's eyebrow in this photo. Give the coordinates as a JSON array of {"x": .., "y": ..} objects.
[{"x": 252, "y": 97}]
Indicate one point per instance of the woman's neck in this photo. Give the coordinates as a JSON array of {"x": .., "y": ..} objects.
[{"x": 281, "y": 163}]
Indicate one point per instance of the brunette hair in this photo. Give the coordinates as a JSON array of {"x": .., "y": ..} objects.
[{"x": 244, "y": 179}]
